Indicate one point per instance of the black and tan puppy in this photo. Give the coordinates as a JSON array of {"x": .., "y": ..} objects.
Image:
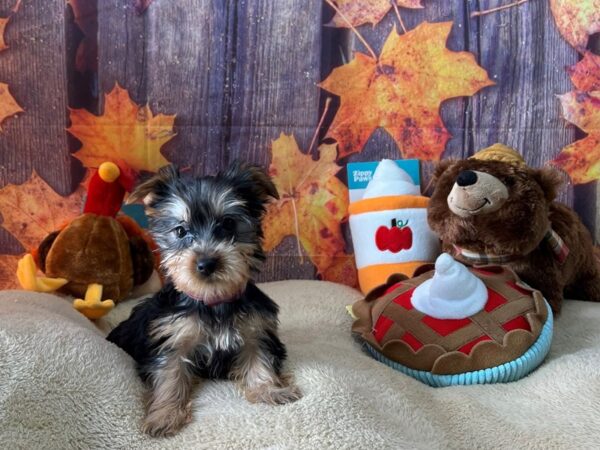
[{"x": 209, "y": 320}]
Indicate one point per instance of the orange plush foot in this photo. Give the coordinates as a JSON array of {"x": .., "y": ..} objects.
[
  {"x": 28, "y": 279},
  {"x": 93, "y": 307}
]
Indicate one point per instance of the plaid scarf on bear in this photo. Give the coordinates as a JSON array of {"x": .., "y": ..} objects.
[{"x": 558, "y": 246}]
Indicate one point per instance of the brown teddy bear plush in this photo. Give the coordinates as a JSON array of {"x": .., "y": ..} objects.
[{"x": 492, "y": 208}]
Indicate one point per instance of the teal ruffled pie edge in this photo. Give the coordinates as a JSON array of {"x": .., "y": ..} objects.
[{"x": 504, "y": 373}]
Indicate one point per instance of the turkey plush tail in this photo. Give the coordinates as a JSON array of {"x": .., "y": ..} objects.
[{"x": 144, "y": 252}]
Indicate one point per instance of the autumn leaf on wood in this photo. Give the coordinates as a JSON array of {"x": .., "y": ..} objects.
[
  {"x": 85, "y": 15},
  {"x": 4, "y": 22},
  {"x": 402, "y": 91},
  {"x": 8, "y": 272},
  {"x": 359, "y": 12},
  {"x": 585, "y": 75},
  {"x": 32, "y": 210},
  {"x": 576, "y": 20},
  {"x": 342, "y": 271},
  {"x": 581, "y": 159},
  {"x": 313, "y": 201},
  {"x": 141, "y": 5},
  {"x": 124, "y": 132},
  {"x": 8, "y": 105}
]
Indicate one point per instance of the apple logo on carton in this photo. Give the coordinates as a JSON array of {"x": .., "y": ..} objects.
[{"x": 396, "y": 238}]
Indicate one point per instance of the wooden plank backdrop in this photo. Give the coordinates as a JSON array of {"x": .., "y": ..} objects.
[
  {"x": 239, "y": 72},
  {"x": 273, "y": 90},
  {"x": 34, "y": 66},
  {"x": 521, "y": 110}
]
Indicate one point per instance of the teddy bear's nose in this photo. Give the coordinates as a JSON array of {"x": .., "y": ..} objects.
[{"x": 466, "y": 178}]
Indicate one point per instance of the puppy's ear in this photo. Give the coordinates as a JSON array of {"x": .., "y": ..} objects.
[
  {"x": 550, "y": 181},
  {"x": 252, "y": 183},
  {"x": 156, "y": 187}
]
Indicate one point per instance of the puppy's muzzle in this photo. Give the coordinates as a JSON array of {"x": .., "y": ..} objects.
[{"x": 476, "y": 193}]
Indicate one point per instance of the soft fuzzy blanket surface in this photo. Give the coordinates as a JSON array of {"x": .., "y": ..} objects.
[{"x": 63, "y": 386}]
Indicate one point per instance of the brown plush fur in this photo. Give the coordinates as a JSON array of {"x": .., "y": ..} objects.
[
  {"x": 91, "y": 249},
  {"x": 96, "y": 249},
  {"x": 518, "y": 227}
]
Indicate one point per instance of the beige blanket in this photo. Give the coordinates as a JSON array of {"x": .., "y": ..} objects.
[{"x": 63, "y": 386}]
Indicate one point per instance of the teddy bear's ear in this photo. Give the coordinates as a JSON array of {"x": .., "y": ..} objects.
[
  {"x": 550, "y": 181},
  {"x": 441, "y": 168}
]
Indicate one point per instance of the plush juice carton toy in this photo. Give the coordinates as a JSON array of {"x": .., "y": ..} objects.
[{"x": 389, "y": 227}]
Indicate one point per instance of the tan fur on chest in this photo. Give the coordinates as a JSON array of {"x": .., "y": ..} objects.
[{"x": 186, "y": 334}]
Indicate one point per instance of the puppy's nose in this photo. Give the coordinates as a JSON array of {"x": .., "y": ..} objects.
[
  {"x": 466, "y": 178},
  {"x": 206, "y": 266}
]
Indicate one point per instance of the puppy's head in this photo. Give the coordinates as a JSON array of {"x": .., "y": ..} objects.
[{"x": 208, "y": 228}]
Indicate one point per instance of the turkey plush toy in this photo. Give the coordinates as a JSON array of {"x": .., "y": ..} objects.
[{"x": 98, "y": 257}]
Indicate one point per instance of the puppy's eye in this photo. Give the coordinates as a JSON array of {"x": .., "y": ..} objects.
[
  {"x": 180, "y": 232},
  {"x": 228, "y": 224}
]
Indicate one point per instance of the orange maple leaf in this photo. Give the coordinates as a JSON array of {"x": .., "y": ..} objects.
[
  {"x": 359, "y": 12},
  {"x": 8, "y": 272},
  {"x": 125, "y": 132},
  {"x": 3, "y": 22},
  {"x": 402, "y": 91},
  {"x": 342, "y": 271},
  {"x": 8, "y": 105},
  {"x": 585, "y": 75},
  {"x": 581, "y": 159},
  {"x": 313, "y": 201},
  {"x": 576, "y": 20},
  {"x": 32, "y": 210}
]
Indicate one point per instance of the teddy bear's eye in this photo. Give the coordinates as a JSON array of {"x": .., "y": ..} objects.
[{"x": 509, "y": 181}]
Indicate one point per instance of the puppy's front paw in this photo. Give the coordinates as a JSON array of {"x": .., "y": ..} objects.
[
  {"x": 286, "y": 394},
  {"x": 166, "y": 421},
  {"x": 273, "y": 394}
]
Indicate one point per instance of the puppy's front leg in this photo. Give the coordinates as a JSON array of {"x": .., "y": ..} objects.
[
  {"x": 169, "y": 406},
  {"x": 257, "y": 369}
]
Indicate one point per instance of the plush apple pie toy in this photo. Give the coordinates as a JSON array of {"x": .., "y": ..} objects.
[{"x": 456, "y": 325}]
